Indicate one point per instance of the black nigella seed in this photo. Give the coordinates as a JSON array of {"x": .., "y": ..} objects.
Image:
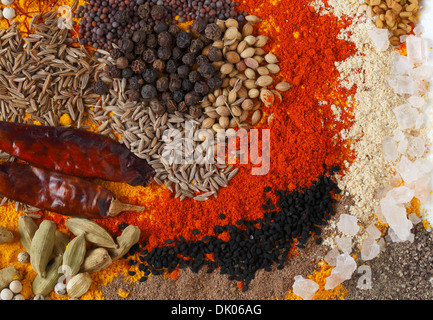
[
  {"x": 222, "y": 216},
  {"x": 267, "y": 189},
  {"x": 169, "y": 241},
  {"x": 264, "y": 243},
  {"x": 131, "y": 273}
]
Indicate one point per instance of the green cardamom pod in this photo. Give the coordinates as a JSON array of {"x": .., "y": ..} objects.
[
  {"x": 78, "y": 285},
  {"x": 130, "y": 236},
  {"x": 26, "y": 230},
  {"x": 43, "y": 286},
  {"x": 42, "y": 246},
  {"x": 60, "y": 243},
  {"x": 95, "y": 260},
  {"x": 74, "y": 255},
  {"x": 93, "y": 232},
  {"x": 6, "y": 236}
]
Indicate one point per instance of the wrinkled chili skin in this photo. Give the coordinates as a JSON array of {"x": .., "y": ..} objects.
[
  {"x": 75, "y": 152},
  {"x": 54, "y": 191}
]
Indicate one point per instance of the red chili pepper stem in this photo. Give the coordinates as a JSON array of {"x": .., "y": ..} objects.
[{"x": 117, "y": 207}]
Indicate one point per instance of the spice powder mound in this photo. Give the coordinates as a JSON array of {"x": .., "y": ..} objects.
[{"x": 304, "y": 134}]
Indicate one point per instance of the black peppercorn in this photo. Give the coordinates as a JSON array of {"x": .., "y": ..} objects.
[
  {"x": 201, "y": 59},
  {"x": 148, "y": 92},
  {"x": 138, "y": 66},
  {"x": 100, "y": 87},
  {"x": 127, "y": 45},
  {"x": 207, "y": 70},
  {"x": 135, "y": 82},
  {"x": 183, "y": 39},
  {"x": 213, "y": 32},
  {"x": 122, "y": 63},
  {"x": 116, "y": 53},
  {"x": 115, "y": 72},
  {"x": 192, "y": 98},
  {"x": 177, "y": 53},
  {"x": 133, "y": 95},
  {"x": 171, "y": 106},
  {"x": 175, "y": 83},
  {"x": 194, "y": 76},
  {"x": 205, "y": 40},
  {"x": 121, "y": 17},
  {"x": 195, "y": 111},
  {"x": 157, "y": 107},
  {"x": 152, "y": 41},
  {"x": 215, "y": 83},
  {"x": 160, "y": 26},
  {"x": 127, "y": 73},
  {"x": 182, "y": 107},
  {"x": 165, "y": 96},
  {"x": 159, "y": 65},
  {"x": 158, "y": 12},
  {"x": 215, "y": 54},
  {"x": 178, "y": 95},
  {"x": 187, "y": 85},
  {"x": 171, "y": 66},
  {"x": 143, "y": 11},
  {"x": 174, "y": 30},
  {"x": 165, "y": 39},
  {"x": 164, "y": 53},
  {"x": 183, "y": 71},
  {"x": 201, "y": 87},
  {"x": 150, "y": 75},
  {"x": 196, "y": 46},
  {"x": 162, "y": 84},
  {"x": 139, "y": 36},
  {"x": 199, "y": 25},
  {"x": 189, "y": 59},
  {"x": 149, "y": 55},
  {"x": 139, "y": 48}
]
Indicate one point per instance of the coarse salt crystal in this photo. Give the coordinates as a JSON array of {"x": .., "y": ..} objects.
[
  {"x": 370, "y": 249},
  {"x": 348, "y": 224},
  {"x": 380, "y": 38},
  {"x": 416, "y": 49},
  {"x": 402, "y": 84},
  {"x": 305, "y": 288}
]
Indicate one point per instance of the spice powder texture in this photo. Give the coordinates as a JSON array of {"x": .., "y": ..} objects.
[{"x": 303, "y": 135}]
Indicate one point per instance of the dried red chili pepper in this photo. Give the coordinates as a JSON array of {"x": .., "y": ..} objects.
[
  {"x": 74, "y": 152},
  {"x": 58, "y": 192}
]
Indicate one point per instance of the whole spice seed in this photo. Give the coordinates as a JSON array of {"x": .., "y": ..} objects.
[
  {"x": 42, "y": 246},
  {"x": 78, "y": 285},
  {"x": 68, "y": 196},
  {"x": 95, "y": 260},
  {"x": 74, "y": 254},
  {"x": 7, "y": 275},
  {"x": 26, "y": 230},
  {"x": 6, "y": 236},
  {"x": 128, "y": 238},
  {"x": 44, "y": 285},
  {"x": 93, "y": 232}
]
